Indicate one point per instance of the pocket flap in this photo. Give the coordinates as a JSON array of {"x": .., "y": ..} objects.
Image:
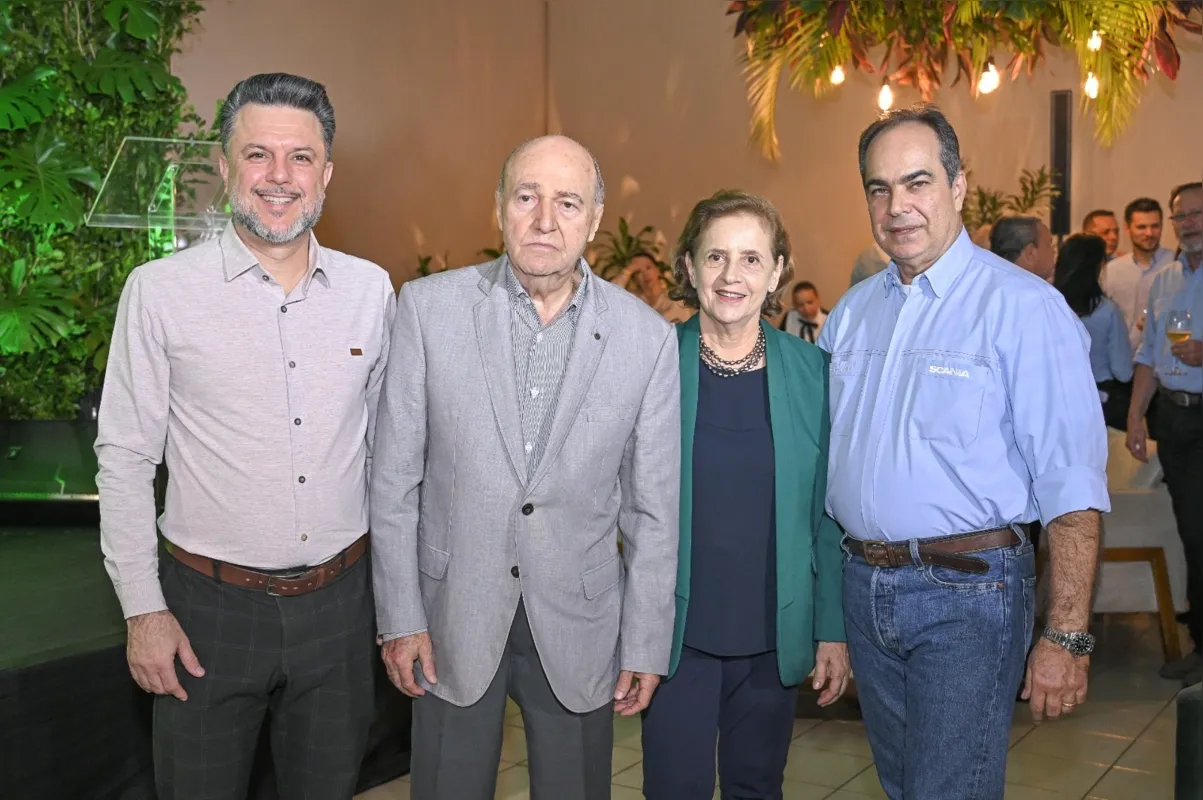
[
  {"x": 601, "y": 579},
  {"x": 608, "y": 413},
  {"x": 432, "y": 562}
]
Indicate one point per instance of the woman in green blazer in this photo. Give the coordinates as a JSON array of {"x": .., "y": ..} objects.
[{"x": 759, "y": 565}]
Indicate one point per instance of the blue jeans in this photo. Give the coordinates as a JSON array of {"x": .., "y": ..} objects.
[{"x": 938, "y": 656}]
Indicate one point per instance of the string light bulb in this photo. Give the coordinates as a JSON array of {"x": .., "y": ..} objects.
[
  {"x": 1095, "y": 42},
  {"x": 990, "y": 79},
  {"x": 1091, "y": 87},
  {"x": 837, "y": 76},
  {"x": 885, "y": 98}
]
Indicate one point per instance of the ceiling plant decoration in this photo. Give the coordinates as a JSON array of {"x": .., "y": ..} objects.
[{"x": 929, "y": 43}]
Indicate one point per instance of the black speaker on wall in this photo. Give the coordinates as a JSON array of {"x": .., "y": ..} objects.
[{"x": 1061, "y": 120}]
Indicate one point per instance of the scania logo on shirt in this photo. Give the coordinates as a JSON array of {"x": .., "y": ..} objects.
[{"x": 936, "y": 369}]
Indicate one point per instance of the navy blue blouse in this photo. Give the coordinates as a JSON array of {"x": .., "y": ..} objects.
[{"x": 733, "y": 581}]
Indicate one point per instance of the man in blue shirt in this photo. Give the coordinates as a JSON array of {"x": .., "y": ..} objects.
[
  {"x": 1172, "y": 371},
  {"x": 962, "y": 407}
]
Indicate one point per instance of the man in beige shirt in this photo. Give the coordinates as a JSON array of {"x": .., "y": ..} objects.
[{"x": 252, "y": 364}]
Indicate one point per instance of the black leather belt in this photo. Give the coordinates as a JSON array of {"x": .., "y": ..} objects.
[
  {"x": 1182, "y": 399},
  {"x": 946, "y": 551}
]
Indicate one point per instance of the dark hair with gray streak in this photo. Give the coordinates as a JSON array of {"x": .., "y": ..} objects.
[
  {"x": 1010, "y": 235},
  {"x": 929, "y": 115},
  {"x": 278, "y": 89}
]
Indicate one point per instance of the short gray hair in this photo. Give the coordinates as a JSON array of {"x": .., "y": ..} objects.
[
  {"x": 599, "y": 185},
  {"x": 278, "y": 89},
  {"x": 1010, "y": 235}
]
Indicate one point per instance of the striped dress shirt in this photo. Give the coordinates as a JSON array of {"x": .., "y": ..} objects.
[{"x": 540, "y": 357}]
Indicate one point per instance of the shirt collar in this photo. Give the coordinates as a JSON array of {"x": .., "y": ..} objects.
[
  {"x": 940, "y": 276},
  {"x": 237, "y": 259},
  {"x": 518, "y": 292}
]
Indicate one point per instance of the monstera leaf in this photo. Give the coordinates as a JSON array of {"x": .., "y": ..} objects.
[
  {"x": 35, "y": 310},
  {"x": 38, "y": 180},
  {"x": 27, "y": 100},
  {"x": 141, "y": 21},
  {"x": 118, "y": 73}
]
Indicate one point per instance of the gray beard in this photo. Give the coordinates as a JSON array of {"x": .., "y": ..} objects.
[{"x": 246, "y": 216}]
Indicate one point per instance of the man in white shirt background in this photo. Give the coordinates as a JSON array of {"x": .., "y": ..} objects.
[
  {"x": 1126, "y": 279},
  {"x": 806, "y": 318}
]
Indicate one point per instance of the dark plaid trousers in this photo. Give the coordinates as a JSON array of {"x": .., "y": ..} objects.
[{"x": 302, "y": 665}]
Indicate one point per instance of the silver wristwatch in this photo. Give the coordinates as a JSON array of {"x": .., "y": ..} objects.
[{"x": 1078, "y": 643}]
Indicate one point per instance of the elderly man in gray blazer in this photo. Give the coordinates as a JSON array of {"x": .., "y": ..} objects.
[{"x": 529, "y": 411}]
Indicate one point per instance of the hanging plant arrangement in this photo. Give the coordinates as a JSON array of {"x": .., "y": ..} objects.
[{"x": 1118, "y": 43}]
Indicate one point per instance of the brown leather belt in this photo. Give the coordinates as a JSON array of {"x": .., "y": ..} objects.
[
  {"x": 1183, "y": 399},
  {"x": 946, "y": 551},
  {"x": 289, "y": 585}
]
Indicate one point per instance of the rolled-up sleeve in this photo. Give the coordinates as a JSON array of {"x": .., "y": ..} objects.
[
  {"x": 1057, "y": 418},
  {"x": 131, "y": 433}
]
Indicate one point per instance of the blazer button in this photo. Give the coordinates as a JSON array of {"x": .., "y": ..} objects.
[
  {"x": 527, "y": 510},
  {"x": 514, "y": 571}
]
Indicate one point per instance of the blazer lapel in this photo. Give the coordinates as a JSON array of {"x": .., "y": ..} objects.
[
  {"x": 688, "y": 349},
  {"x": 588, "y": 344},
  {"x": 494, "y": 337}
]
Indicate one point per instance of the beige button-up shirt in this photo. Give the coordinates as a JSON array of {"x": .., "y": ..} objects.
[{"x": 263, "y": 405}]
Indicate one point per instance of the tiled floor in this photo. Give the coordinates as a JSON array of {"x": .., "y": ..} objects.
[{"x": 1119, "y": 746}]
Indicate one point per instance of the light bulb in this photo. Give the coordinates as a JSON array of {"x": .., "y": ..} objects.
[
  {"x": 837, "y": 76},
  {"x": 989, "y": 81},
  {"x": 885, "y": 98},
  {"x": 1091, "y": 88},
  {"x": 1095, "y": 42}
]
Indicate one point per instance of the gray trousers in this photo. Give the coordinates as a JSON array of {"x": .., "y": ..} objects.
[{"x": 456, "y": 749}]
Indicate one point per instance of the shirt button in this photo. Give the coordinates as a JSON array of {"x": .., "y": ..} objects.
[
  {"x": 529, "y": 447},
  {"x": 527, "y": 510},
  {"x": 514, "y": 571},
  {"x": 296, "y": 421},
  {"x": 301, "y": 479},
  {"x": 292, "y": 364},
  {"x": 283, "y": 309},
  {"x": 304, "y": 537},
  {"x": 538, "y": 337},
  {"x": 534, "y": 392}
]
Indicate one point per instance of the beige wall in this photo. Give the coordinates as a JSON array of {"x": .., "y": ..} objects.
[
  {"x": 663, "y": 104},
  {"x": 431, "y": 95}
]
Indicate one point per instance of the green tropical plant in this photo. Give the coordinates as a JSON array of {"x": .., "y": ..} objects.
[
  {"x": 76, "y": 78},
  {"x": 809, "y": 39},
  {"x": 615, "y": 250},
  {"x": 986, "y": 206}
]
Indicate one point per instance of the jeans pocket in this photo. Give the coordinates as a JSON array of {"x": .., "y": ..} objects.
[
  {"x": 1029, "y": 611},
  {"x": 955, "y": 580}
]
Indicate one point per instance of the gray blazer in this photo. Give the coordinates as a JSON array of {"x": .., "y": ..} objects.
[{"x": 453, "y": 511}]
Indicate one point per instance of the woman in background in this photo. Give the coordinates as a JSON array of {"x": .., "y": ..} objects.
[
  {"x": 759, "y": 566},
  {"x": 1079, "y": 263}
]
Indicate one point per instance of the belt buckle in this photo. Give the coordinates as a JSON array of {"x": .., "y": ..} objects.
[
  {"x": 876, "y": 554},
  {"x": 270, "y": 588}
]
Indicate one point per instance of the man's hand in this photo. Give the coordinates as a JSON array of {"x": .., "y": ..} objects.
[
  {"x": 1055, "y": 683},
  {"x": 399, "y": 656},
  {"x": 1189, "y": 352},
  {"x": 630, "y": 700},
  {"x": 151, "y": 644},
  {"x": 832, "y": 669},
  {"x": 1138, "y": 440}
]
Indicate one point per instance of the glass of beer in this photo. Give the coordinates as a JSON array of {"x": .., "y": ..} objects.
[{"x": 1177, "y": 329}]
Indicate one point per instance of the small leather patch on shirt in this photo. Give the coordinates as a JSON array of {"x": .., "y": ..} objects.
[{"x": 355, "y": 351}]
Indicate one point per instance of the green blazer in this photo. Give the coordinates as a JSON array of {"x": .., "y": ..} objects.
[{"x": 809, "y": 562}]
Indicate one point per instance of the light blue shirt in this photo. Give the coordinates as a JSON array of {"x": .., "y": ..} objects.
[
  {"x": 1127, "y": 283},
  {"x": 1110, "y": 350},
  {"x": 1174, "y": 288},
  {"x": 965, "y": 404}
]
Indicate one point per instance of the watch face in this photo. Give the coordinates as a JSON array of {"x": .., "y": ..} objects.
[{"x": 1080, "y": 644}]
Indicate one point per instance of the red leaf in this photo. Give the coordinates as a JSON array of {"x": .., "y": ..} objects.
[
  {"x": 835, "y": 16},
  {"x": 1167, "y": 54}
]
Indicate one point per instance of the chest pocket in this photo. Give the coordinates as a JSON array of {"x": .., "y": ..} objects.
[
  {"x": 848, "y": 372},
  {"x": 946, "y": 392}
]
